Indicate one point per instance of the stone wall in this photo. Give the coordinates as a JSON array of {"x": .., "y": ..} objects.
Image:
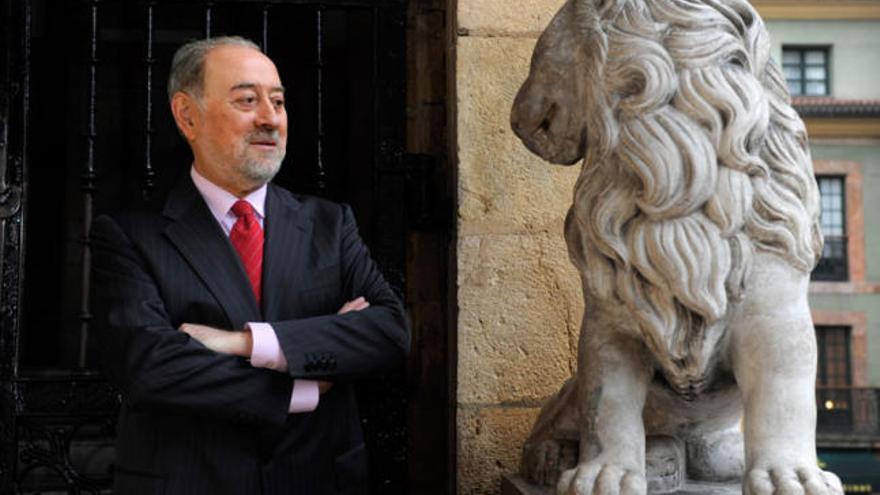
[{"x": 519, "y": 300}]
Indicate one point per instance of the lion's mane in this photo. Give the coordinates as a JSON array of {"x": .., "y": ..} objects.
[{"x": 695, "y": 158}]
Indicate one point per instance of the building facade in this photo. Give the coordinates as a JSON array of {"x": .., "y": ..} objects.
[{"x": 829, "y": 52}]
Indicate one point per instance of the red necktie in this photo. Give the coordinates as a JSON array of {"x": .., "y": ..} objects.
[{"x": 247, "y": 238}]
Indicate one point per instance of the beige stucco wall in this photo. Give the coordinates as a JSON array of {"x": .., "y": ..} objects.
[{"x": 519, "y": 303}]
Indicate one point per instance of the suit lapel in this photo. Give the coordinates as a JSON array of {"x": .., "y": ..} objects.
[
  {"x": 201, "y": 241},
  {"x": 285, "y": 258}
]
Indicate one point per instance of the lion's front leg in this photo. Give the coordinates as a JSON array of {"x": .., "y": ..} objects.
[
  {"x": 614, "y": 378},
  {"x": 774, "y": 360}
]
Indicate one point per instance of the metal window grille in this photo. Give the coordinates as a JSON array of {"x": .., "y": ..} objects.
[
  {"x": 806, "y": 70},
  {"x": 833, "y": 344},
  {"x": 833, "y": 265},
  {"x": 834, "y": 378}
]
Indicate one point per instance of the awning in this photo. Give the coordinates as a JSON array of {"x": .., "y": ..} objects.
[{"x": 859, "y": 470}]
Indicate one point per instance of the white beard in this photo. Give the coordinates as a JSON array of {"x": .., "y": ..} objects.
[{"x": 261, "y": 170}]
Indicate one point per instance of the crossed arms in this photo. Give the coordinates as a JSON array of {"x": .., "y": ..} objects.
[
  {"x": 242, "y": 343},
  {"x": 156, "y": 365}
]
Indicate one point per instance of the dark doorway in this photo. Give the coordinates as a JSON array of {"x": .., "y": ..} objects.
[{"x": 85, "y": 129}]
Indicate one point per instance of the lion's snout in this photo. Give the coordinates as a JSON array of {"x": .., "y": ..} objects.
[{"x": 546, "y": 126}]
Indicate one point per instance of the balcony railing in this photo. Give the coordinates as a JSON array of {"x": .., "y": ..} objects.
[{"x": 848, "y": 413}]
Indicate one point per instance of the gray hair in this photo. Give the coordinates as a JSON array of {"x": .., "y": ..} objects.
[{"x": 188, "y": 65}]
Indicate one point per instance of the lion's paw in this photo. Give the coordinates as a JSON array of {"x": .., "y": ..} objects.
[
  {"x": 543, "y": 463},
  {"x": 803, "y": 480},
  {"x": 595, "y": 478}
]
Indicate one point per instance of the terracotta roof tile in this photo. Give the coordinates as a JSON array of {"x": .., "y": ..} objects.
[
  {"x": 830, "y": 106},
  {"x": 831, "y": 100}
]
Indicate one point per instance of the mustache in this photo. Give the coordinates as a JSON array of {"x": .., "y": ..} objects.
[{"x": 264, "y": 135}]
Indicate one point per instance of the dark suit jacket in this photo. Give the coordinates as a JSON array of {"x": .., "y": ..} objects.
[{"x": 197, "y": 422}]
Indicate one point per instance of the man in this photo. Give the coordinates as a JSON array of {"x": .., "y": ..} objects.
[{"x": 224, "y": 316}]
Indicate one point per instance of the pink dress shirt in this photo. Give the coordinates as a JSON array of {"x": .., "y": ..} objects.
[{"x": 266, "y": 351}]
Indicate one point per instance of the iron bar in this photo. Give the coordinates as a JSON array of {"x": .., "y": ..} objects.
[
  {"x": 149, "y": 173},
  {"x": 88, "y": 180},
  {"x": 208, "y": 13},
  {"x": 374, "y": 84},
  {"x": 319, "y": 64},
  {"x": 7, "y": 337},
  {"x": 4, "y": 123},
  {"x": 265, "y": 38},
  {"x": 3, "y": 141},
  {"x": 16, "y": 85}
]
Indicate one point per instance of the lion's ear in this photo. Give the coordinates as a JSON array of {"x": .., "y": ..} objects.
[
  {"x": 607, "y": 9},
  {"x": 642, "y": 74}
]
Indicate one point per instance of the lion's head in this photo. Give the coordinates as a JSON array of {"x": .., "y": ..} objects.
[{"x": 692, "y": 157}]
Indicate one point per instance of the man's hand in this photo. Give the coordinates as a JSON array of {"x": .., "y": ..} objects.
[
  {"x": 222, "y": 341},
  {"x": 242, "y": 343},
  {"x": 235, "y": 343},
  {"x": 355, "y": 305}
]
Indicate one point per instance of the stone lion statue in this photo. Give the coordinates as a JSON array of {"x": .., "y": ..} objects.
[{"x": 694, "y": 228}]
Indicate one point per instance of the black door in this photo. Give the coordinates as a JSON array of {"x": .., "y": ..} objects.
[{"x": 85, "y": 129}]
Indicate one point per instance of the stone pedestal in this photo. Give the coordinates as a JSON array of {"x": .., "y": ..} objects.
[{"x": 515, "y": 485}]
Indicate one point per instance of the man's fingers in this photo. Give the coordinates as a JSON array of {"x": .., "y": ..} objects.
[
  {"x": 354, "y": 305},
  {"x": 348, "y": 306},
  {"x": 219, "y": 340},
  {"x": 191, "y": 328},
  {"x": 324, "y": 386},
  {"x": 201, "y": 333}
]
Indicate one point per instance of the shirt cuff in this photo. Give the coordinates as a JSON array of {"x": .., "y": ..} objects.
[
  {"x": 305, "y": 396},
  {"x": 266, "y": 351}
]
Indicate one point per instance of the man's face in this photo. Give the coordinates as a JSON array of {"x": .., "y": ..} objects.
[{"x": 240, "y": 138}]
